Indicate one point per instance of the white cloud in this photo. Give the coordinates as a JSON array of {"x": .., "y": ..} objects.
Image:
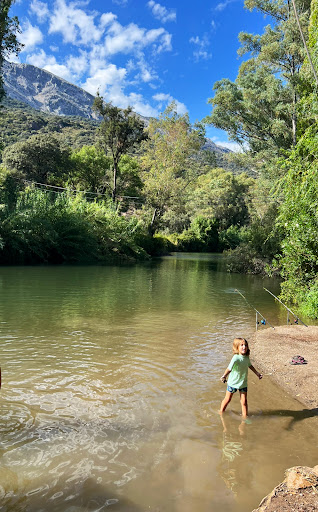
[
  {"x": 120, "y": 2},
  {"x": 75, "y": 25},
  {"x": 13, "y": 58},
  {"x": 48, "y": 62},
  {"x": 59, "y": 70},
  {"x": 30, "y": 37},
  {"x": 99, "y": 37},
  {"x": 162, "y": 13},
  {"x": 166, "y": 99},
  {"x": 37, "y": 59},
  {"x": 165, "y": 44},
  {"x": 78, "y": 65},
  {"x": 130, "y": 38},
  {"x": 144, "y": 72},
  {"x": 103, "y": 78},
  {"x": 40, "y": 9},
  {"x": 79, "y": 28},
  {"x": 110, "y": 83},
  {"x": 201, "y": 53},
  {"x": 137, "y": 102},
  {"x": 233, "y": 146},
  {"x": 107, "y": 18},
  {"x": 223, "y": 5}
]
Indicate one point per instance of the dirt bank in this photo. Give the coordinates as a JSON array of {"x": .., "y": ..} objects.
[
  {"x": 297, "y": 493},
  {"x": 272, "y": 352}
]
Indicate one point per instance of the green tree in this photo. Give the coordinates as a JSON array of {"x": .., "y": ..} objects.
[
  {"x": 220, "y": 195},
  {"x": 41, "y": 158},
  {"x": 9, "y": 27},
  {"x": 298, "y": 213},
  {"x": 169, "y": 162},
  {"x": 259, "y": 109},
  {"x": 11, "y": 183},
  {"x": 130, "y": 184},
  {"x": 298, "y": 217},
  {"x": 91, "y": 169},
  {"x": 120, "y": 131}
]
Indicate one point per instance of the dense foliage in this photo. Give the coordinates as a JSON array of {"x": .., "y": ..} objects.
[
  {"x": 9, "y": 27},
  {"x": 132, "y": 192},
  {"x": 170, "y": 163},
  {"x": 272, "y": 108},
  {"x": 120, "y": 131},
  {"x": 18, "y": 122},
  {"x": 45, "y": 227}
]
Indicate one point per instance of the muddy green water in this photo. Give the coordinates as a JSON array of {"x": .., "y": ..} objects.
[{"x": 111, "y": 390}]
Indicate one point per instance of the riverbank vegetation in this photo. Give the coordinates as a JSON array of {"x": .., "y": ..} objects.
[{"x": 79, "y": 191}]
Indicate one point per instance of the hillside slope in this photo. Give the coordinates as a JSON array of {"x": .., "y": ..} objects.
[{"x": 40, "y": 102}]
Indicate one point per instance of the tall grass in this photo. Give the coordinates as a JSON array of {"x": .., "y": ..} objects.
[{"x": 45, "y": 227}]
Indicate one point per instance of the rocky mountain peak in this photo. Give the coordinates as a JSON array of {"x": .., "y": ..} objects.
[{"x": 46, "y": 92}]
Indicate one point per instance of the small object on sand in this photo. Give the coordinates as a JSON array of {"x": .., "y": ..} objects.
[{"x": 298, "y": 360}]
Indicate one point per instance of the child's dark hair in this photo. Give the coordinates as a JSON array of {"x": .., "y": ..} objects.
[{"x": 236, "y": 344}]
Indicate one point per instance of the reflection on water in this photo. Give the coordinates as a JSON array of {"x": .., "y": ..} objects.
[
  {"x": 232, "y": 447},
  {"x": 111, "y": 391}
]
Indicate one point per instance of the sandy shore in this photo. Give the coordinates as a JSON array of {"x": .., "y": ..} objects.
[{"x": 273, "y": 350}]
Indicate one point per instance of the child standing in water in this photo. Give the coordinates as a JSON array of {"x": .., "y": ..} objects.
[{"x": 237, "y": 369}]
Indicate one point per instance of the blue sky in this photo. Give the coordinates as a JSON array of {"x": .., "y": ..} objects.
[{"x": 143, "y": 53}]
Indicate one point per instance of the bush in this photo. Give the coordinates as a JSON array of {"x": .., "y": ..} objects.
[
  {"x": 243, "y": 260},
  {"x": 58, "y": 228},
  {"x": 309, "y": 302},
  {"x": 231, "y": 237},
  {"x": 157, "y": 245},
  {"x": 202, "y": 236}
]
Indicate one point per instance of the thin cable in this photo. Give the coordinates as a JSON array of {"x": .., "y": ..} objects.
[
  {"x": 79, "y": 191},
  {"x": 304, "y": 42}
]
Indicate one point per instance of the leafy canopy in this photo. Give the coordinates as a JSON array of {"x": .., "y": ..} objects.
[
  {"x": 9, "y": 27},
  {"x": 120, "y": 131},
  {"x": 169, "y": 161}
]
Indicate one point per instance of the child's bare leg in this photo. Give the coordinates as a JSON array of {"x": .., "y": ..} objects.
[
  {"x": 223, "y": 422},
  {"x": 243, "y": 398},
  {"x": 226, "y": 401}
]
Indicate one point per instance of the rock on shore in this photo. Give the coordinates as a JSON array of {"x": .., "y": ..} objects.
[{"x": 297, "y": 493}]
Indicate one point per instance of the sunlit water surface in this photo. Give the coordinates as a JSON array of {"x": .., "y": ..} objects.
[{"x": 111, "y": 390}]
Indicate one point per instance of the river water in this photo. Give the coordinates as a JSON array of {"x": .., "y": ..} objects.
[{"x": 111, "y": 391}]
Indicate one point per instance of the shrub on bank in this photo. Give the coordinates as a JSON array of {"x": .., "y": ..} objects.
[
  {"x": 59, "y": 228},
  {"x": 157, "y": 245},
  {"x": 202, "y": 236}
]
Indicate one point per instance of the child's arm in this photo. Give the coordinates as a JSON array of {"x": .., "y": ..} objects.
[
  {"x": 259, "y": 375},
  {"x": 225, "y": 374}
]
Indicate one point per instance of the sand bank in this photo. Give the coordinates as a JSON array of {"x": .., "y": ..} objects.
[{"x": 272, "y": 352}]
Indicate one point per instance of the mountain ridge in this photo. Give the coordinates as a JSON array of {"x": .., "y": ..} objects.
[
  {"x": 50, "y": 94},
  {"x": 46, "y": 92}
]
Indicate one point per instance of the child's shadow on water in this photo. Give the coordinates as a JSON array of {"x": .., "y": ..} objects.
[{"x": 295, "y": 415}]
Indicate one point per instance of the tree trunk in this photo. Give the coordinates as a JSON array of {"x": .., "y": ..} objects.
[
  {"x": 151, "y": 228},
  {"x": 114, "y": 191},
  {"x": 294, "y": 120}
]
